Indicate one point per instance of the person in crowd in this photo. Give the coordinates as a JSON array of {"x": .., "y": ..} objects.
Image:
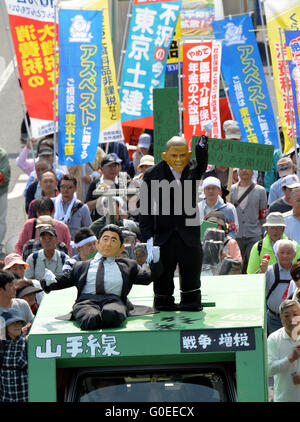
[
  {"x": 34, "y": 190},
  {"x": 44, "y": 208},
  {"x": 13, "y": 367},
  {"x": 178, "y": 236},
  {"x": 28, "y": 164},
  {"x": 120, "y": 149},
  {"x": 146, "y": 161},
  {"x": 292, "y": 218},
  {"x": 48, "y": 257},
  {"x": 284, "y": 352},
  {"x": 68, "y": 209},
  {"x": 28, "y": 293},
  {"x": 285, "y": 167},
  {"x": 142, "y": 149},
  {"x": 8, "y": 297},
  {"x": 46, "y": 154},
  {"x": 48, "y": 184},
  {"x": 283, "y": 204},
  {"x": 274, "y": 227},
  {"x": 86, "y": 244},
  {"x": 231, "y": 248},
  {"x": 294, "y": 286},
  {"x": 278, "y": 278},
  {"x": 250, "y": 201},
  {"x": 14, "y": 262},
  {"x": 103, "y": 283},
  {"x": 5, "y": 173},
  {"x": 111, "y": 177},
  {"x": 107, "y": 218},
  {"x": 85, "y": 173},
  {"x": 213, "y": 201},
  {"x": 140, "y": 253}
]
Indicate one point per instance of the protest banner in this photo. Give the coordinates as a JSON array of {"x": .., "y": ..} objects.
[
  {"x": 32, "y": 31},
  {"x": 282, "y": 15},
  {"x": 150, "y": 35},
  {"x": 166, "y": 119},
  {"x": 80, "y": 51},
  {"x": 232, "y": 153},
  {"x": 293, "y": 57},
  {"x": 110, "y": 114},
  {"x": 244, "y": 76},
  {"x": 201, "y": 70}
]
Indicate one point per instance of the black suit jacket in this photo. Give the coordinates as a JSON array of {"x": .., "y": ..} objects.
[
  {"x": 155, "y": 220},
  {"x": 131, "y": 274}
]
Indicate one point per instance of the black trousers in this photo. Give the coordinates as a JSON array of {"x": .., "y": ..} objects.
[
  {"x": 93, "y": 312},
  {"x": 189, "y": 259}
]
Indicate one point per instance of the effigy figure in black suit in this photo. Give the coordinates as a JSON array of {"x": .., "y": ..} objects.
[{"x": 169, "y": 218}]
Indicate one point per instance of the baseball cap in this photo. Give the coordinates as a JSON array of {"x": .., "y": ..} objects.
[
  {"x": 290, "y": 181},
  {"x": 11, "y": 315},
  {"x": 26, "y": 290},
  {"x": 211, "y": 181},
  {"x": 285, "y": 166},
  {"x": 144, "y": 140},
  {"x": 48, "y": 229},
  {"x": 44, "y": 221},
  {"x": 12, "y": 259},
  {"x": 110, "y": 159},
  {"x": 274, "y": 219}
]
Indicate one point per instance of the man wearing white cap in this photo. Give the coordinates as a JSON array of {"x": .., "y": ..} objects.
[
  {"x": 283, "y": 204},
  {"x": 274, "y": 227},
  {"x": 143, "y": 148},
  {"x": 292, "y": 218},
  {"x": 285, "y": 166},
  {"x": 214, "y": 202}
]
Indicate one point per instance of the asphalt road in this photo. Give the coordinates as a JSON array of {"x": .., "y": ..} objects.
[{"x": 11, "y": 115}]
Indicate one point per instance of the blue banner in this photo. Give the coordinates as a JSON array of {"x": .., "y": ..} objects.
[
  {"x": 292, "y": 40},
  {"x": 79, "y": 88},
  {"x": 244, "y": 76},
  {"x": 150, "y": 35}
]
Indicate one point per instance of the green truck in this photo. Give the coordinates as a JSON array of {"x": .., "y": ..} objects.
[{"x": 216, "y": 355}]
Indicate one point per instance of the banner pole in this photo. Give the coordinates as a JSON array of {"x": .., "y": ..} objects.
[
  {"x": 288, "y": 95},
  {"x": 17, "y": 75},
  {"x": 55, "y": 88},
  {"x": 271, "y": 78},
  {"x": 180, "y": 76},
  {"x": 123, "y": 51}
]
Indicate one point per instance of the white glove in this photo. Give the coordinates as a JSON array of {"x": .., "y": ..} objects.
[
  {"x": 149, "y": 250},
  {"x": 49, "y": 277}
]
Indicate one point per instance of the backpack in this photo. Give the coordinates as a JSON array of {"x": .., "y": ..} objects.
[
  {"x": 34, "y": 244},
  {"x": 36, "y": 253}
]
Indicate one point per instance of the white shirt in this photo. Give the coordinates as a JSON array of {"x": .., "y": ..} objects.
[
  {"x": 280, "y": 345},
  {"x": 113, "y": 281},
  {"x": 292, "y": 229}
]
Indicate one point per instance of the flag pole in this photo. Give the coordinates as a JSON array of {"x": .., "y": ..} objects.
[{"x": 17, "y": 75}]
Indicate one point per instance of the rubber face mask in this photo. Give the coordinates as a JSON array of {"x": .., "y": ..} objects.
[{"x": 177, "y": 157}]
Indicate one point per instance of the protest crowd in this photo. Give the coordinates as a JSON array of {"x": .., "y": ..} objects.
[
  {"x": 248, "y": 236},
  {"x": 86, "y": 219}
]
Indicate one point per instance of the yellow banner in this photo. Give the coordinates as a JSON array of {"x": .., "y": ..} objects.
[
  {"x": 110, "y": 118},
  {"x": 173, "y": 52},
  {"x": 284, "y": 15}
]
